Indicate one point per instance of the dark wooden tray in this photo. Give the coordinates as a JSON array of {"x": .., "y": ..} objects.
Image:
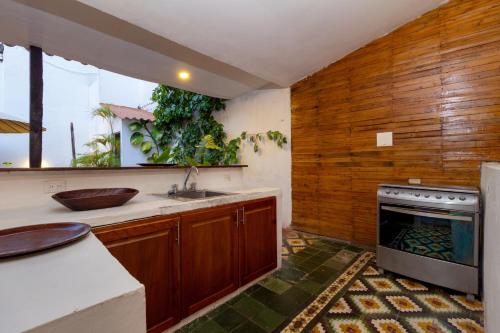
[
  {"x": 95, "y": 198},
  {"x": 156, "y": 164},
  {"x": 39, "y": 237}
]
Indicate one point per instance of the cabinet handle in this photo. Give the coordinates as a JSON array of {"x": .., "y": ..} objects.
[
  {"x": 178, "y": 234},
  {"x": 243, "y": 215},
  {"x": 237, "y": 218}
]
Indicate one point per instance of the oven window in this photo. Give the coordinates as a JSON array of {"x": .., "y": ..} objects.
[{"x": 444, "y": 235}]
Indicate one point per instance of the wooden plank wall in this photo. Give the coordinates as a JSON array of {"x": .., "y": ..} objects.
[{"x": 435, "y": 83}]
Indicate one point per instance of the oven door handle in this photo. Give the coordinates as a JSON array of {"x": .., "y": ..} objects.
[{"x": 425, "y": 214}]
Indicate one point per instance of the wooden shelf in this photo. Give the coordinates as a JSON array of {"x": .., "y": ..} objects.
[{"x": 120, "y": 168}]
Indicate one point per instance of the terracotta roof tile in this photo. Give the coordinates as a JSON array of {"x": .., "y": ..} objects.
[{"x": 125, "y": 112}]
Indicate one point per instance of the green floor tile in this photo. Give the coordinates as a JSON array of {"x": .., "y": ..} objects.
[
  {"x": 309, "y": 286},
  {"x": 284, "y": 305},
  {"x": 322, "y": 275},
  {"x": 248, "y": 307},
  {"x": 296, "y": 295},
  {"x": 268, "y": 319},
  {"x": 289, "y": 274},
  {"x": 209, "y": 327},
  {"x": 308, "y": 265},
  {"x": 229, "y": 319},
  {"x": 335, "y": 264},
  {"x": 345, "y": 256},
  {"x": 215, "y": 312},
  {"x": 248, "y": 327},
  {"x": 276, "y": 285}
]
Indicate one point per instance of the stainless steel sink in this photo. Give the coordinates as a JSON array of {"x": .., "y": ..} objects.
[{"x": 194, "y": 195}]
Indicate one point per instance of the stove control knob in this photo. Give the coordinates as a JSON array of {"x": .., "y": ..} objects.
[
  {"x": 417, "y": 194},
  {"x": 438, "y": 196},
  {"x": 396, "y": 192},
  {"x": 426, "y": 195},
  {"x": 388, "y": 192},
  {"x": 451, "y": 197},
  {"x": 462, "y": 198}
]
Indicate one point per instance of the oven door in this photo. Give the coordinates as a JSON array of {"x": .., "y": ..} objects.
[{"x": 441, "y": 234}]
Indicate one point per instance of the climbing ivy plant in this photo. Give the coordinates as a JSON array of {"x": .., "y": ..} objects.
[{"x": 185, "y": 131}]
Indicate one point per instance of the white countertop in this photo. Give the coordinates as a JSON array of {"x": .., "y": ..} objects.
[
  {"x": 39, "y": 289},
  {"x": 143, "y": 205}
]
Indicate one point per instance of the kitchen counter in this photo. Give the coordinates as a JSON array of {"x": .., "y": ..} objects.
[
  {"x": 81, "y": 287},
  {"x": 142, "y": 206},
  {"x": 68, "y": 287}
]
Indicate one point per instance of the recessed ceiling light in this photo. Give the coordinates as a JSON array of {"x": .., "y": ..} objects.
[{"x": 184, "y": 75}]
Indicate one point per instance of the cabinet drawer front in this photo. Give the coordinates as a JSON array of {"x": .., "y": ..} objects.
[{"x": 137, "y": 228}]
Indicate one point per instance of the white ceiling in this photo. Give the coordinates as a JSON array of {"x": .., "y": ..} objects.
[
  {"x": 280, "y": 41},
  {"x": 92, "y": 42}
]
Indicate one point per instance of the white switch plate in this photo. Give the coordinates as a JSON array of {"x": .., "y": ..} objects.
[
  {"x": 384, "y": 139},
  {"x": 414, "y": 181},
  {"x": 54, "y": 186}
]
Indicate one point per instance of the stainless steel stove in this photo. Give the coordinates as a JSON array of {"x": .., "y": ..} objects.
[{"x": 431, "y": 233}]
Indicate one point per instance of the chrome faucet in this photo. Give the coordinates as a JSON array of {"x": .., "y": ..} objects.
[{"x": 188, "y": 175}]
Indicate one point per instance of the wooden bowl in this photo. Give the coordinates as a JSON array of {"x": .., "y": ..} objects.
[{"x": 95, "y": 198}]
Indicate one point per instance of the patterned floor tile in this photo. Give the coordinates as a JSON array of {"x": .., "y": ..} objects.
[
  {"x": 427, "y": 325},
  {"x": 340, "y": 306},
  {"x": 388, "y": 326},
  {"x": 382, "y": 284},
  {"x": 370, "y": 304},
  {"x": 474, "y": 305},
  {"x": 370, "y": 271},
  {"x": 466, "y": 325},
  {"x": 296, "y": 242},
  {"x": 348, "y": 326},
  {"x": 403, "y": 304},
  {"x": 358, "y": 286},
  {"x": 318, "y": 328},
  {"x": 412, "y": 285},
  {"x": 437, "y": 303}
]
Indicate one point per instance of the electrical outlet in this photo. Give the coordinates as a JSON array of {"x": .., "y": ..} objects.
[{"x": 54, "y": 186}]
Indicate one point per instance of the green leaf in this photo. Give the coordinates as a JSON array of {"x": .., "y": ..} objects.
[
  {"x": 164, "y": 156},
  {"x": 157, "y": 135},
  {"x": 270, "y": 135},
  {"x": 135, "y": 126},
  {"x": 243, "y": 135},
  {"x": 136, "y": 138},
  {"x": 146, "y": 147},
  {"x": 256, "y": 148}
]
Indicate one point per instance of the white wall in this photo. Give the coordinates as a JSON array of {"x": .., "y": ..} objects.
[
  {"x": 260, "y": 111},
  {"x": 490, "y": 187},
  {"x": 26, "y": 188}
]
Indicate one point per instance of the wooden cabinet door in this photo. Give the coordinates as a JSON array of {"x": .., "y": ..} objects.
[
  {"x": 149, "y": 250},
  {"x": 209, "y": 244},
  {"x": 258, "y": 246}
]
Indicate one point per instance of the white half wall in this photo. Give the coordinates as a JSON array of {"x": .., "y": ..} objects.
[
  {"x": 490, "y": 188},
  {"x": 258, "y": 112}
]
